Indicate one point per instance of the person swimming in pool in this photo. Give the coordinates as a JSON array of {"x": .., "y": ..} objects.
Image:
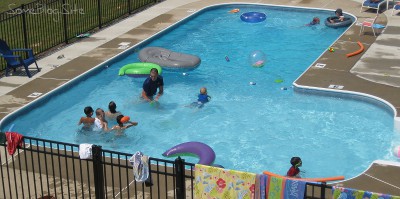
[
  {"x": 112, "y": 113},
  {"x": 120, "y": 127},
  {"x": 87, "y": 121},
  {"x": 150, "y": 86},
  {"x": 315, "y": 21},
  {"x": 100, "y": 123},
  {"x": 202, "y": 98},
  {"x": 294, "y": 170}
]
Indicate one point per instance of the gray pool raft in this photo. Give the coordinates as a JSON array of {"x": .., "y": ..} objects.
[
  {"x": 346, "y": 22},
  {"x": 168, "y": 59}
]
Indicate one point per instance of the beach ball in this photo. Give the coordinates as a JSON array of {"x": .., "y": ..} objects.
[
  {"x": 396, "y": 151},
  {"x": 257, "y": 58}
]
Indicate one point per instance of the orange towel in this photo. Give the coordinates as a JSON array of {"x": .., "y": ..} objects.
[{"x": 13, "y": 140}]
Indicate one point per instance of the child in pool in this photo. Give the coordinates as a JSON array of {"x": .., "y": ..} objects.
[
  {"x": 100, "y": 123},
  {"x": 315, "y": 21},
  {"x": 202, "y": 98},
  {"x": 294, "y": 170},
  {"x": 112, "y": 113},
  {"x": 87, "y": 121},
  {"x": 119, "y": 129},
  {"x": 339, "y": 15}
]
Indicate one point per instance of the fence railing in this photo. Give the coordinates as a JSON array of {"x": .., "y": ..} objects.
[
  {"x": 45, "y": 169},
  {"x": 56, "y": 170},
  {"x": 45, "y": 24}
]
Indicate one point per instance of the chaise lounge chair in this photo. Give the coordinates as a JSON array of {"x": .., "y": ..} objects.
[
  {"x": 15, "y": 61},
  {"x": 372, "y": 5},
  {"x": 396, "y": 7}
]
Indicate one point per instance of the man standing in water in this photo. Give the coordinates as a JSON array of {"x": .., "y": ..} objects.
[{"x": 150, "y": 86}]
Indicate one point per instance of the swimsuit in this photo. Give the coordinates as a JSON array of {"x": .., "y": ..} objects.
[
  {"x": 97, "y": 125},
  {"x": 203, "y": 98},
  {"x": 150, "y": 86},
  {"x": 293, "y": 171}
]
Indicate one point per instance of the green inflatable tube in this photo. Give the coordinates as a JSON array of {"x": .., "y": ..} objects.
[{"x": 141, "y": 69}]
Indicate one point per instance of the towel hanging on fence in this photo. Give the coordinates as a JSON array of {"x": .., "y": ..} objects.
[
  {"x": 342, "y": 192},
  {"x": 13, "y": 141},
  {"x": 140, "y": 165},
  {"x": 294, "y": 189},
  {"x": 85, "y": 151},
  {"x": 214, "y": 182}
]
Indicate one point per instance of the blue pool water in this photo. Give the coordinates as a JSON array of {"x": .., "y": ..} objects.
[{"x": 250, "y": 127}]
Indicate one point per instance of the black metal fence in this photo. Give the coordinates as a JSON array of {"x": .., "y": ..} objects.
[
  {"x": 45, "y": 24},
  {"x": 46, "y": 169},
  {"x": 57, "y": 171}
]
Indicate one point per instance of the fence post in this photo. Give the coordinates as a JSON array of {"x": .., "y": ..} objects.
[
  {"x": 323, "y": 190},
  {"x": 129, "y": 7},
  {"x": 180, "y": 178},
  {"x": 98, "y": 171},
  {"x": 99, "y": 12},
  {"x": 65, "y": 24},
  {"x": 24, "y": 27}
]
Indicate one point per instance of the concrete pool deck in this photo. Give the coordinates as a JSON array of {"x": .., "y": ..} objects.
[{"x": 374, "y": 72}]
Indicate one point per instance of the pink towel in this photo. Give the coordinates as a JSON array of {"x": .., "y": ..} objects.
[{"x": 13, "y": 141}]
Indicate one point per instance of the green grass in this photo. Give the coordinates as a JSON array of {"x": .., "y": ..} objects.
[
  {"x": 5, "y": 5},
  {"x": 45, "y": 30}
]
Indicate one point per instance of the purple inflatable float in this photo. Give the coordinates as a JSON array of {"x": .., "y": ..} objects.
[{"x": 203, "y": 151}]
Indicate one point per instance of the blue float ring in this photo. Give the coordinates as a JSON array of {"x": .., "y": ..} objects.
[{"x": 253, "y": 17}]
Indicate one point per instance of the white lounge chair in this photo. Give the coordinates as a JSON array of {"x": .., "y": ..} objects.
[
  {"x": 369, "y": 23},
  {"x": 372, "y": 5}
]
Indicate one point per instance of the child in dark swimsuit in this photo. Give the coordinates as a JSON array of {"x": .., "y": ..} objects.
[
  {"x": 339, "y": 16},
  {"x": 315, "y": 21},
  {"x": 87, "y": 121},
  {"x": 294, "y": 170}
]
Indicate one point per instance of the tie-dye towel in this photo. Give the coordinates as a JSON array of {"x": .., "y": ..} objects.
[
  {"x": 347, "y": 193},
  {"x": 294, "y": 189},
  {"x": 213, "y": 182}
]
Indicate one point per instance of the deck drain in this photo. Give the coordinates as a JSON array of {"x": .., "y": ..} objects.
[
  {"x": 191, "y": 10},
  {"x": 35, "y": 95},
  {"x": 333, "y": 86},
  {"x": 320, "y": 65}
]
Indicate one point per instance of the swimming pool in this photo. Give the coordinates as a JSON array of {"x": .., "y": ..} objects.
[{"x": 251, "y": 127}]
